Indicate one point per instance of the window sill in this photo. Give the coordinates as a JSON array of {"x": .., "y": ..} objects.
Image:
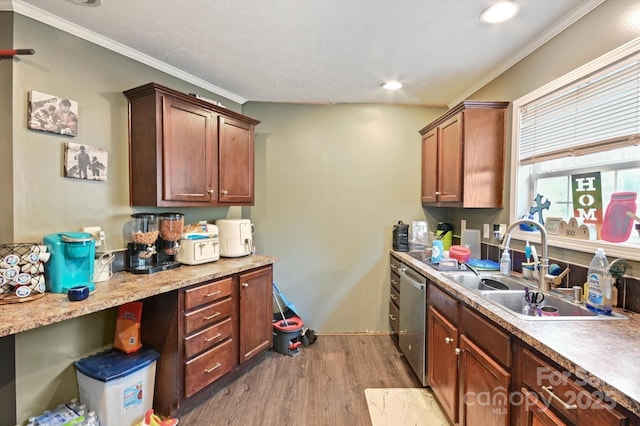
[{"x": 626, "y": 250}]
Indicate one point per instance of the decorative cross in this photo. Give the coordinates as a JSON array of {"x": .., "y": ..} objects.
[{"x": 538, "y": 206}]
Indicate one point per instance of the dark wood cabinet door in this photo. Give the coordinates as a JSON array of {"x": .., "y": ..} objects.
[
  {"x": 535, "y": 413},
  {"x": 450, "y": 160},
  {"x": 236, "y": 174},
  {"x": 256, "y": 312},
  {"x": 430, "y": 167},
  {"x": 189, "y": 152},
  {"x": 443, "y": 362},
  {"x": 484, "y": 388}
]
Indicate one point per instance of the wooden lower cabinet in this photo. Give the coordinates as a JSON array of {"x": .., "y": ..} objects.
[
  {"x": 443, "y": 362},
  {"x": 256, "y": 312},
  {"x": 534, "y": 412},
  {"x": 469, "y": 363},
  {"x": 484, "y": 387},
  {"x": 561, "y": 396},
  {"x": 207, "y": 332}
]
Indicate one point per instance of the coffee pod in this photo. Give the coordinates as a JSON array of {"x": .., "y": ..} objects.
[
  {"x": 23, "y": 279},
  {"x": 9, "y": 261},
  {"x": 44, "y": 256},
  {"x": 11, "y": 272},
  {"x": 23, "y": 291}
]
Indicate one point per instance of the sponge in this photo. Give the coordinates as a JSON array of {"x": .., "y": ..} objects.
[{"x": 555, "y": 269}]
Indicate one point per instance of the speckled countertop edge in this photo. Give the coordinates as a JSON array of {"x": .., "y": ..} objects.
[
  {"x": 122, "y": 288},
  {"x": 605, "y": 354}
]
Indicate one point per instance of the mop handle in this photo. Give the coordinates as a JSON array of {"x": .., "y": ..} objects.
[{"x": 279, "y": 307}]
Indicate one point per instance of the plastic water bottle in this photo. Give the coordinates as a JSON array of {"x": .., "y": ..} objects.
[
  {"x": 599, "y": 284},
  {"x": 505, "y": 263}
]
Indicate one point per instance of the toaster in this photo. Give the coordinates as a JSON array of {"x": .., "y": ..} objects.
[{"x": 197, "y": 251}]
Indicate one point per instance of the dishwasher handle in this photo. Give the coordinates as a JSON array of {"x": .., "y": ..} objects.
[{"x": 412, "y": 278}]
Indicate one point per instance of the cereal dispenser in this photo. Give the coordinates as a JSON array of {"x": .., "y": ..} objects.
[{"x": 154, "y": 240}]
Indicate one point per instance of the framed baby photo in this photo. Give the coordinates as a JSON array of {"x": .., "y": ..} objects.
[
  {"x": 85, "y": 162},
  {"x": 49, "y": 113}
]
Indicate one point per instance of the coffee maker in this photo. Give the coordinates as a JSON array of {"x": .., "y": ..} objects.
[
  {"x": 72, "y": 261},
  {"x": 154, "y": 242}
]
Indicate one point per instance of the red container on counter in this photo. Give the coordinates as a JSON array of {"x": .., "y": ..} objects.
[{"x": 460, "y": 253}]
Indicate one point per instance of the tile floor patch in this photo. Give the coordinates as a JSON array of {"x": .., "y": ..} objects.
[{"x": 403, "y": 406}]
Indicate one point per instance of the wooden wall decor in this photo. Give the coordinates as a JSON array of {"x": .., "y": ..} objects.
[{"x": 573, "y": 229}]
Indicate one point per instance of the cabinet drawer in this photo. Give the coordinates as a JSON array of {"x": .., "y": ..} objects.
[
  {"x": 208, "y": 367},
  {"x": 394, "y": 280},
  {"x": 208, "y": 337},
  {"x": 394, "y": 317},
  {"x": 394, "y": 264},
  {"x": 207, "y": 315},
  {"x": 395, "y": 296},
  {"x": 567, "y": 396},
  {"x": 207, "y": 293},
  {"x": 444, "y": 303},
  {"x": 486, "y": 335}
]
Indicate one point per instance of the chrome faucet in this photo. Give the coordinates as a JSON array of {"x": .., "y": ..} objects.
[{"x": 544, "y": 260}]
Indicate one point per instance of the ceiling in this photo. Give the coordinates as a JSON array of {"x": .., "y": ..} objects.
[{"x": 315, "y": 51}]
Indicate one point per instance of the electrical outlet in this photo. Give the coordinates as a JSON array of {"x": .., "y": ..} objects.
[
  {"x": 486, "y": 233},
  {"x": 97, "y": 233}
]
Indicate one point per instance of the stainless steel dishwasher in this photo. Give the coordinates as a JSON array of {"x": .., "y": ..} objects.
[{"x": 412, "y": 325}]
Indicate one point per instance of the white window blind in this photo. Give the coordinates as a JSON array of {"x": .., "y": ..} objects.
[{"x": 597, "y": 113}]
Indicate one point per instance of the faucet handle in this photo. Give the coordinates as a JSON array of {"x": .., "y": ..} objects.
[{"x": 556, "y": 279}]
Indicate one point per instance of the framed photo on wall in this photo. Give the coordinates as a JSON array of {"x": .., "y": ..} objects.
[
  {"x": 85, "y": 162},
  {"x": 49, "y": 113}
]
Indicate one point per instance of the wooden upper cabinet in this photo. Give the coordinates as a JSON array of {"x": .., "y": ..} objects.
[
  {"x": 188, "y": 138},
  {"x": 236, "y": 148},
  {"x": 184, "y": 151},
  {"x": 463, "y": 156}
]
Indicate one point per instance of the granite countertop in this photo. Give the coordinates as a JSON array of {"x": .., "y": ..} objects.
[
  {"x": 605, "y": 354},
  {"x": 123, "y": 287}
]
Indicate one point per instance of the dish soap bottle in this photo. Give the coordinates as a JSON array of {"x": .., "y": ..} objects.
[
  {"x": 505, "y": 263},
  {"x": 599, "y": 284}
]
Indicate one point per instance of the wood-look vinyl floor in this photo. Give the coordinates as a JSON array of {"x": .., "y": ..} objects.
[{"x": 323, "y": 385}]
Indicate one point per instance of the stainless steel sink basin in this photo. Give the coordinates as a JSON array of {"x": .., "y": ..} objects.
[
  {"x": 511, "y": 300},
  {"x": 485, "y": 282}
]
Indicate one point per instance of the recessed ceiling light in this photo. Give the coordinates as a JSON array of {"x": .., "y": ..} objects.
[
  {"x": 392, "y": 85},
  {"x": 92, "y": 3},
  {"x": 500, "y": 12}
]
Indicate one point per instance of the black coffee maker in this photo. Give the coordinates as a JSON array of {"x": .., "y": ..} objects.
[
  {"x": 401, "y": 236},
  {"x": 154, "y": 242}
]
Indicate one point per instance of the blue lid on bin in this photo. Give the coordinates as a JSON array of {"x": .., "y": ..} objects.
[{"x": 113, "y": 364}]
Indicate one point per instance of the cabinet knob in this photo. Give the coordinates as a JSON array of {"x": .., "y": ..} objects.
[
  {"x": 245, "y": 284},
  {"x": 448, "y": 340},
  {"x": 209, "y": 191},
  {"x": 437, "y": 192},
  {"x": 223, "y": 192},
  {"x": 458, "y": 351}
]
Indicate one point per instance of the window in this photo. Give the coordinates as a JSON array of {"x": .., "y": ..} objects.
[{"x": 586, "y": 123}]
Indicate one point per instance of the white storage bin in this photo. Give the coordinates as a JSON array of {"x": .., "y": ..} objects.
[{"x": 118, "y": 386}]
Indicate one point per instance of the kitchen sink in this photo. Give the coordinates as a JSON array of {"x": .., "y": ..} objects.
[{"x": 511, "y": 299}]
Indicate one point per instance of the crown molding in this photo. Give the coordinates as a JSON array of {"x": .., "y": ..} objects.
[
  {"x": 40, "y": 15},
  {"x": 570, "y": 18}
]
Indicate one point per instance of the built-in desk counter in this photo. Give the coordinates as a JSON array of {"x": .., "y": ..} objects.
[{"x": 123, "y": 287}]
